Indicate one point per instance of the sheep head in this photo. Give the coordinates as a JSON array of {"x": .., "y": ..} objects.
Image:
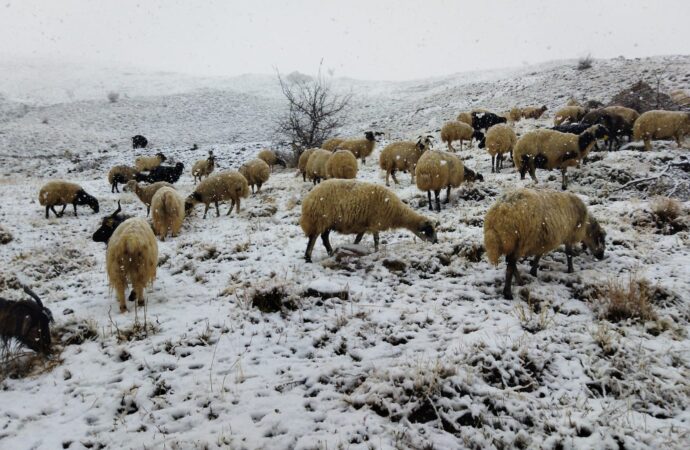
[
  {"x": 161, "y": 156},
  {"x": 370, "y": 136},
  {"x": 130, "y": 186},
  {"x": 109, "y": 225},
  {"x": 427, "y": 231},
  {"x": 82, "y": 198},
  {"x": 595, "y": 238},
  {"x": 27, "y": 321},
  {"x": 190, "y": 201}
]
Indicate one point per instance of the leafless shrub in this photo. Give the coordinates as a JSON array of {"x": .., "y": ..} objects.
[
  {"x": 585, "y": 62},
  {"x": 666, "y": 210},
  {"x": 113, "y": 97},
  {"x": 627, "y": 299}
]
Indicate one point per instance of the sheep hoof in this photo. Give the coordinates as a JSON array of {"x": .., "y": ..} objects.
[
  {"x": 533, "y": 272},
  {"x": 140, "y": 302},
  {"x": 507, "y": 295},
  {"x": 123, "y": 309}
]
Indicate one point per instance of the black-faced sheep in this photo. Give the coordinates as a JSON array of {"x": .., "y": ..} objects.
[
  {"x": 171, "y": 174},
  {"x": 549, "y": 149},
  {"x": 459, "y": 131},
  {"x": 437, "y": 170},
  {"x": 403, "y": 156},
  {"x": 616, "y": 125},
  {"x": 569, "y": 114},
  {"x": 131, "y": 255},
  {"x": 27, "y": 321},
  {"x": 147, "y": 163},
  {"x": 485, "y": 120},
  {"x": 223, "y": 186},
  {"x": 120, "y": 175},
  {"x": 361, "y": 148},
  {"x": 657, "y": 124},
  {"x": 316, "y": 165},
  {"x": 256, "y": 172},
  {"x": 341, "y": 164},
  {"x": 168, "y": 212},
  {"x": 269, "y": 157},
  {"x": 204, "y": 167},
  {"x": 145, "y": 192},
  {"x": 303, "y": 160},
  {"x": 59, "y": 192},
  {"x": 139, "y": 141},
  {"x": 499, "y": 139},
  {"x": 528, "y": 222},
  {"x": 533, "y": 112},
  {"x": 355, "y": 207}
]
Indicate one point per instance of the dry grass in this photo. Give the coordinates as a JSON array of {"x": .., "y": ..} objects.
[
  {"x": 627, "y": 299},
  {"x": 666, "y": 210}
]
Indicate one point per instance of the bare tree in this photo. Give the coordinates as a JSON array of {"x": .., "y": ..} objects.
[{"x": 314, "y": 110}]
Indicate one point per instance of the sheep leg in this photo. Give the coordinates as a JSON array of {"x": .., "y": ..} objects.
[
  {"x": 310, "y": 247},
  {"x": 533, "y": 173},
  {"x": 326, "y": 243},
  {"x": 376, "y": 241},
  {"x": 569, "y": 257},
  {"x": 450, "y": 147},
  {"x": 304, "y": 176},
  {"x": 148, "y": 210},
  {"x": 535, "y": 266},
  {"x": 431, "y": 205},
  {"x": 564, "y": 179},
  {"x": 232, "y": 205},
  {"x": 62, "y": 211},
  {"x": 364, "y": 161},
  {"x": 358, "y": 238},
  {"x": 75, "y": 209},
  {"x": 139, "y": 290},
  {"x": 511, "y": 268},
  {"x": 437, "y": 194},
  {"x": 252, "y": 188},
  {"x": 447, "y": 195},
  {"x": 258, "y": 187},
  {"x": 121, "y": 299},
  {"x": 217, "y": 210},
  {"x": 493, "y": 158},
  {"x": 113, "y": 187},
  {"x": 206, "y": 210},
  {"x": 395, "y": 180}
]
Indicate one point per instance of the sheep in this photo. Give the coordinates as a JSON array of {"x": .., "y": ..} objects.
[
  {"x": 171, "y": 174},
  {"x": 228, "y": 185},
  {"x": 256, "y": 172},
  {"x": 27, "y": 321},
  {"x": 437, "y": 170},
  {"x": 549, "y": 149},
  {"x": 148, "y": 163},
  {"x": 204, "y": 167},
  {"x": 458, "y": 131},
  {"x": 332, "y": 144},
  {"x": 131, "y": 255},
  {"x": 514, "y": 115},
  {"x": 499, "y": 139},
  {"x": 168, "y": 212},
  {"x": 658, "y": 124},
  {"x": 121, "y": 175},
  {"x": 527, "y": 222},
  {"x": 569, "y": 114},
  {"x": 680, "y": 97},
  {"x": 316, "y": 165},
  {"x": 485, "y": 120},
  {"x": 403, "y": 156},
  {"x": 139, "y": 141},
  {"x": 361, "y": 148},
  {"x": 145, "y": 193},
  {"x": 614, "y": 123},
  {"x": 60, "y": 192},
  {"x": 465, "y": 117},
  {"x": 270, "y": 158},
  {"x": 533, "y": 112},
  {"x": 628, "y": 114},
  {"x": 302, "y": 162},
  {"x": 356, "y": 207},
  {"x": 341, "y": 164}
]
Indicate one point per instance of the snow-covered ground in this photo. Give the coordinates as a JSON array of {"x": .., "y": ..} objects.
[{"x": 423, "y": 353}]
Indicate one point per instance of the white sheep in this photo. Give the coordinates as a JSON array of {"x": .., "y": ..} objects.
[{"x": 168, "y": 212}]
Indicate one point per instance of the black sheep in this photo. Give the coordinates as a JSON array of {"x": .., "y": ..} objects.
[
  {"x": 171, "y": 174},
  {"x": 139, "y": 141},
  {"x": 485, "y": 120},
  {"x": 27, "y": 321},
  {"x": 616, "y": 125}
]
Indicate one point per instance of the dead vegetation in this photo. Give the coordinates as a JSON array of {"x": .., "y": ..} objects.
[{"x": 623, "y": 299}]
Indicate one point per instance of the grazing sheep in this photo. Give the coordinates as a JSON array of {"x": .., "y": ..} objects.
[
  {"x": 131, "y": 255},
  {"x": 270, "y": 158},
  {"x": 437, "y": 170},
  {"x": 658, "y": 124},
  {"x": 403, "y": 156},
  {"x": 145, "y": 193},
  {"x": 485, "y": 120},
  {"x": 223, "y": 186},
  {"x": 302, "y": 163},
  {"x": 341, "y": 164},
  {"x": 526, "y": 222},
  {"x": 458, "y": 131},
  {"x": 147, "y": 163},
  {"x": 331, "y": 144},
  {"x": 316, "y": 165},
  {"x": 171, "y": 174},
  {"x": 121, "y": 175},
  {"x": 533, "y": 112},
  {"x": 139, "y": 141},
  {"x": 614, "y": 123},
  {"x": 256, "y": 172},
  {"x": 569, "y": 114},
  {"x": 361, "y": 148},
  {"x": 168, "y": 212},
  {"x": 204, "y": 167},
  {"x": 27, "y": 321},
  {"x": 60, "y": 192},
  {"x": 499, "y": 139},
  {"x": 356, "y": 207},
  {"x": 549, "y": 149}
]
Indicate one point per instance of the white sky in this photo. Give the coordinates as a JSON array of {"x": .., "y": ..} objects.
[{"x": 375, "y": 39}]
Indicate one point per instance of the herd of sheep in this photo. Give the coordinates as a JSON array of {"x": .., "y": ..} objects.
[{"x": 521, "y": 223}]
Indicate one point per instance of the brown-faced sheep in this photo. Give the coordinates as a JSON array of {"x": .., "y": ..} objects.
[
  {"x": 500, "y": 139},
  {"x": 131, "y": 255},
  {"x": 121, "y": 175},
  {"x": 146, "y": 163},
  {"x": 658, "y": 124},
  {"x": 549, "y": 149},
  {"x": 256, "y": 172},
  {"x": 569, "y": 114},
  {"x": 60, "y": 192},
  {"x": 269, "y": 157},
  {"x": 168, "y": 212},
  {"x": 331, "y": 144},
  {"x": 528, "y": 222},
  {"x": 403, "y": 156},
  {"x": 223, "y": 186},
  {"x": 458, "y": 131},
  {"x": 361, "y": 148},
  {"x": 533, "y": 112},
  {"x": 27, "y": 321},
  {"x": 145, "y": 192},
  {"x": 204, "y": 167},
  {"x": 356, "y": 207},
  {"x": 437, "y": 170},
  {"x": 341, "y": 164},
  {"x": 303, "y": 160},
  {"x": 316, "y": 165}
]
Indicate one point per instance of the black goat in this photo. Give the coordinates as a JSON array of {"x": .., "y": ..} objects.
[
  {"x": 27, "y": 321},
  {"x": 171, "y": 174},
  {"x": 616, "y": 125},
  {"x": 139, "y": 141},
  {"x": 485, "y": 120},
  {"x": 109, "y": 224}
]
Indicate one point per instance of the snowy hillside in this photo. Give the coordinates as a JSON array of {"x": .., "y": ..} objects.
[{"x": 418, "y": 350}]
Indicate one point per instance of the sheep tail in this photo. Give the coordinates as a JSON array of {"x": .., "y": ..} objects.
[{"x": 492, "y": 243}]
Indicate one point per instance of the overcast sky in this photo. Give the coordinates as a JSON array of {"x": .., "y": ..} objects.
[{"x": 373, "y": 39}]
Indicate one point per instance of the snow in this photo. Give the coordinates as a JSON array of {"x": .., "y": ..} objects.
[{"x": 423, "y": 352}]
